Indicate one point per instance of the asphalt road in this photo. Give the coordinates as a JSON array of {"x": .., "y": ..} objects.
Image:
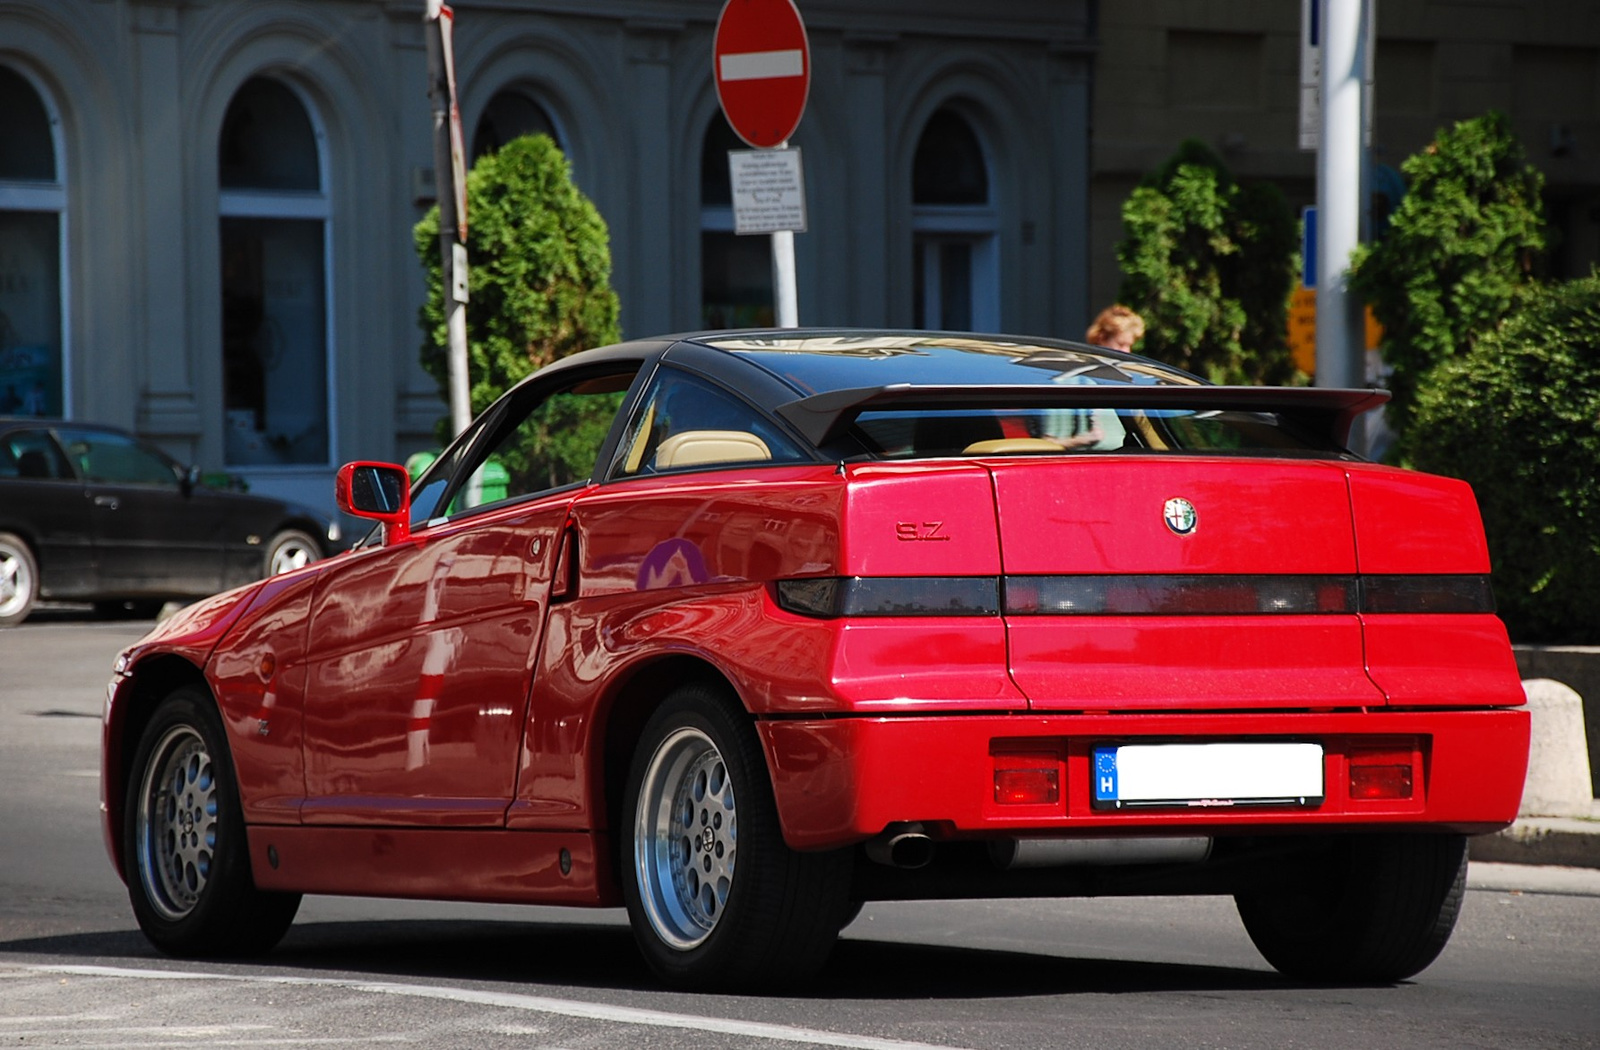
[{"x": 1522, "y": 971}]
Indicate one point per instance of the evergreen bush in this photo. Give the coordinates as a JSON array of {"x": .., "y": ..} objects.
[
  {"x": 1518, "y": 416},
  {"x": 1461, "y": 246},
  {"x": 1209, "y": 263},
  {"x": 540, "y": 271}
]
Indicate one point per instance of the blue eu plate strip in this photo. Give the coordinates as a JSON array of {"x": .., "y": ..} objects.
[{"x": 1105, "y": 774}]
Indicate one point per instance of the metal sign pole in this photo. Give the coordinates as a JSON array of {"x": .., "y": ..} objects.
[
  {"x": 450, "y": 189},
  {"x": 785, "y": 287},
  {"x": 1341, "y": 354},
  {"x": 785, "y": 291}
]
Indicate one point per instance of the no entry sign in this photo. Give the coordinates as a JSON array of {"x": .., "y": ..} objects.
[{"x": 762, "y": 66}]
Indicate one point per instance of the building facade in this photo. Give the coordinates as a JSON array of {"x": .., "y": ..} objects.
[{"x": 206, "y": 205}]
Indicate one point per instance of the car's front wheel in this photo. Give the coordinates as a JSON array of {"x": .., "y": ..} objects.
[
  {"x": 291, "y": 549},
  {"x": 715, "y": 896},
  {"x": 19, "y": 579},
  {"x": 188, "y": 864},
  {"x": 1381, "y": 910}
]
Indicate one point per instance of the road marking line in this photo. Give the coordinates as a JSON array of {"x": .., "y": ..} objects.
[
  {"x": 763, "y": 65},
  {"x": 536, "y": 1003}
]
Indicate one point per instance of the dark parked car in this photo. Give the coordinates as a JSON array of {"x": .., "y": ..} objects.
[{"x": 91, "y": 513}]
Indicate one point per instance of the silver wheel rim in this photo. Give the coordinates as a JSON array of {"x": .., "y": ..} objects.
[
  {"x": 177, "y": 827},
  {"x": 16, "y": 582},
  {"x": 685, "y": 839},
  {"x": 291, "y": 555}
]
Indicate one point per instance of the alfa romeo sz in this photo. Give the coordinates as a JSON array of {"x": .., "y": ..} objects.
[{"x": 741, "y": 630}]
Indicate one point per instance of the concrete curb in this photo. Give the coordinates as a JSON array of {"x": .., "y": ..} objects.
[{"x": 1568, "y": 842}]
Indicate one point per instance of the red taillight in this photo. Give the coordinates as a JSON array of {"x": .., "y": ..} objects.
[
  {"x": 1382, "y": 772},
  {"x": 1027, "y": 778}
]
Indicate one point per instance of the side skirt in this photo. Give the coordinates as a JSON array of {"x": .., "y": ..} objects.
[{"x": 487, "y": 866}]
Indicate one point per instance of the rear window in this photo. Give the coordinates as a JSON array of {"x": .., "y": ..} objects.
[{"x": 911, "y": 433}]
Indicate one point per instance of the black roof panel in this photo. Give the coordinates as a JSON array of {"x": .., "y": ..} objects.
[{"x": 815, "y": 362}]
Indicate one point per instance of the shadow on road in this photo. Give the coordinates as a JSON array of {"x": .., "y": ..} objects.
[{"x": 604, "y": 957}]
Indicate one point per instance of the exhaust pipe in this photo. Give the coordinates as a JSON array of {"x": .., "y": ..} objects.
[
  {"x": 1012, "y": 854},
  {"x": 902, "y": 846}
]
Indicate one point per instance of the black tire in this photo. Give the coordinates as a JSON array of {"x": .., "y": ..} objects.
[
  {"x": 289, "y": 550},
  {"x": 698, "y": 799},
  {"x": 19, "y": 579},
  {"x": 1381, "y": 911},
  {"x": 184, "y": 850}
]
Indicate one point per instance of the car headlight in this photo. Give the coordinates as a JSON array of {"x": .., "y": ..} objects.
[{"x": 334, "y": 532}]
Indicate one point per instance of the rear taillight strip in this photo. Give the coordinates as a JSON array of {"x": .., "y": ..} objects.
[
  {"x": 1135, "y": 595},
  {"x": 892, "y": 596},
  {"x": 1190, "y": 595}
]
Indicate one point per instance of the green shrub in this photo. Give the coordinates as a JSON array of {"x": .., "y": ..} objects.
[
  {"x": 1519, "y": 418},
  {"x": 1461, "y": 245},
  {"x": 540, "y": 271},
  {"x": 1209, "y": 263}
]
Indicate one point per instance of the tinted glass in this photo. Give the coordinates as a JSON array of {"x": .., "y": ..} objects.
[
  {"x": 508, "y": 115},
  {"x": 841, "y": 362},
  {"x": 688, "y": 423},
  {"x": 547, "y": 439},
  {"x": 31, "y": 454},
  {"x": 274, "y": 345},
  {"x": 27, "y": 152},
  {"x": 816, "y": 364},
  {"x": 914, "y": 433},
  {"x": 30, "y": 312},
  {"x": 267, "y": 142},
  {"x": 116, "y": 459},
  {"x": 949, "y": 166}
]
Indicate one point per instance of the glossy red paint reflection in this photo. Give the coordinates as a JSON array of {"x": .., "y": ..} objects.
[{"x": 443, "y": 716}]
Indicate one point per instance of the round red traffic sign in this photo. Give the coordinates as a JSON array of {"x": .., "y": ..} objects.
[{"x": 762, "y": 66}]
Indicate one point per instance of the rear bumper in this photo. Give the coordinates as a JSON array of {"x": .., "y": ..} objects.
[{"x": 840, "y": 781}]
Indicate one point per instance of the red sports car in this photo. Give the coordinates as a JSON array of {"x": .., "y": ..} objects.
[{"x": 743, "y": 629}]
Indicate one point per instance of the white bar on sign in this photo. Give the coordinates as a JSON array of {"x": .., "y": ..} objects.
[{"x": 763, "y": 65}]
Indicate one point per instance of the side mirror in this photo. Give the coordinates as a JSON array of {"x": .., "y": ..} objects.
[
  {"x": 380, "y": 491},
  {"x": 190, "y": 481}
]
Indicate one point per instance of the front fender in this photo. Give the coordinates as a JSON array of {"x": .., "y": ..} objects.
[{"x": 173, "y": 653}]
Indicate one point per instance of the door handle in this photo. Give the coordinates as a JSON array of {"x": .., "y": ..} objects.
[{"x": 108, "y": 502}]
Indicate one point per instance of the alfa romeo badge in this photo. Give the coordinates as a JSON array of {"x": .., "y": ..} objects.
[{"x": 1180, "y": 516}]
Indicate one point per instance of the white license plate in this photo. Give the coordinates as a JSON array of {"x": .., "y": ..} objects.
[{"x": 1200, "y": 775}]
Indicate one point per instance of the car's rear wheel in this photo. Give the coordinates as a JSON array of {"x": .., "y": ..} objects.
[
  {"x": 1381, "y": 910},
  {"x": 188, "y": 864},
  {"x": 291, "y": 549},
  {"x": 19, "y": 579},
  {"x": 715, "y": 896}
]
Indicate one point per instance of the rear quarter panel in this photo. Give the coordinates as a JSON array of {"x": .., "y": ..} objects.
[{"x": 1411, "y": 523}]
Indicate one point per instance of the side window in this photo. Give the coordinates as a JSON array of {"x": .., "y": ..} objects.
[
  {"x": 117, "y": 459},
  {"x": 32, "y": 454},
  {"x": 549, "y": 439},
  {"x": 688, "y": 423}
]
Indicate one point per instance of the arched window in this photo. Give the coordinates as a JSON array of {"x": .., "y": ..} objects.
[
  {"x": 735, "y": 271},
  {"x": 509, "y": 115},
  {"x": 33, "y": 206},
  {"x": 955, "y": 254},
  {"x": 274, "y": 217}
]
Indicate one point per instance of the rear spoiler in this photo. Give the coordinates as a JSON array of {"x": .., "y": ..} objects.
[{"x": 1327, "y": 410}]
